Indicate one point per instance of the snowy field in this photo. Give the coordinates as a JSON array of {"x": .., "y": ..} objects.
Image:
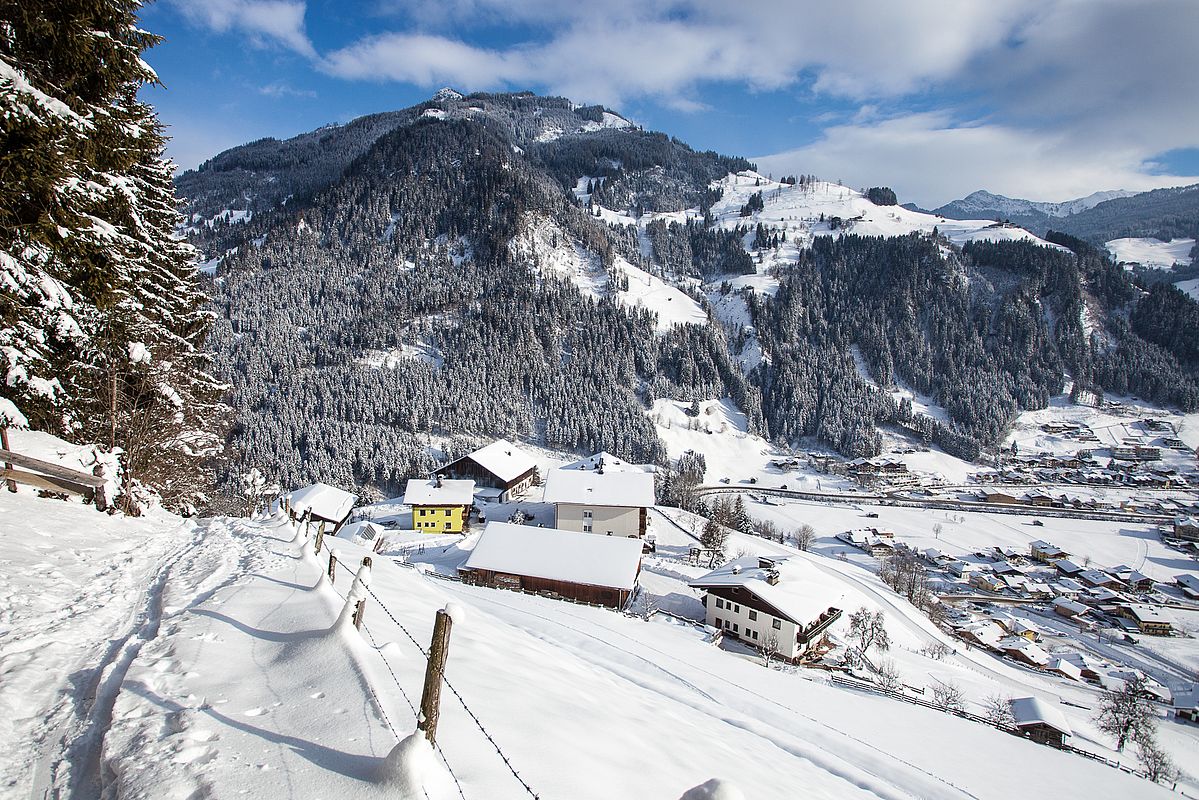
[{"x": 1151, "y": 252}]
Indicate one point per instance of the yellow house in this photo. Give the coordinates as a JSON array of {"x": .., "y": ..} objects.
[{"x": 440, "y": 506}]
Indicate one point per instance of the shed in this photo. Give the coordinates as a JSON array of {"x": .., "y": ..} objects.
[
  {"x": 576, "y": 566},
  {"x": 325, "y": 503},
  {"x": 1040, "y": 721}
]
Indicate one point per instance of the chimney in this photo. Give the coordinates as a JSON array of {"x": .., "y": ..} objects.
[
  {"x": 438, "y": 481},
  {"x": 736, "y": 569},
  {"x": 772, "y": 577},
  {"x": 765, "y": 563}
]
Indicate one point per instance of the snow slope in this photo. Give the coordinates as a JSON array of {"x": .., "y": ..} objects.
[
  {"x": 1151, "y": 252},
  {"x": 798, "y": 210},
  {"x": 672, "y": 305},
  {"x": 240, "y": 680}
]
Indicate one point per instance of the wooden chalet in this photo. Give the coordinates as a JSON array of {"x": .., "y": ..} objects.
[
  {"x": 1149, "y": 620},
  {"x": 556, "y": 563},
  {"x": 500, "y": 466},
  {"x": 1038, "y": 720}
]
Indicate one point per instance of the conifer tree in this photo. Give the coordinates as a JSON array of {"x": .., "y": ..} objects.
[{"x": 101, "y": 323}]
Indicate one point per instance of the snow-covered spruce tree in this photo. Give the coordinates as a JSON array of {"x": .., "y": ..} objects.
[{"x": 101, "y": 321}]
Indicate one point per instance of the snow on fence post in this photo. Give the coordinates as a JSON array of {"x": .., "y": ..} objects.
[
  {"x": 439, "y": 651},
  {"x": 355, "y": 607}
]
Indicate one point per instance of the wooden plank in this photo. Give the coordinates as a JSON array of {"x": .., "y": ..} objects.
[
  {"x": 48, "y": 483},
  {"x": 54, "y": 470}
]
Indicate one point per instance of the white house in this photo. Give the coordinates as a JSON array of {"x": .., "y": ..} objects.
[
  {"x": 1040, "y": 721},
  {"x": 784, "y": 605},
  {"x": 600, "y": 501}
]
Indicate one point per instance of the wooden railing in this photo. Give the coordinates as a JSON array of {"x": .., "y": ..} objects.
[{"x": 52, "y": 477}]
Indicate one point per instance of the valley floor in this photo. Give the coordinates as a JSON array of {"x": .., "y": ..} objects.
[{"x": 159, "y": 658}]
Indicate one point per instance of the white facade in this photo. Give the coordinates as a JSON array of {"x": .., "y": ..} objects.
[
  {"x": 604, "y": 520},
  {"x": 751, "y": 625}
]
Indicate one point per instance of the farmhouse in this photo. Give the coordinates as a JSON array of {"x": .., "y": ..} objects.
[
  {"x": 439, "y": 506},
  {"x": 567, "y": 564},
  {"x": 1040, "y": 721},
  {"x": 500, "y": 466},
  {"x": 782, "y": 605},
  {"x": 1132, "y": 580},
  {"x": 325, "y": 504},
  {"x": 600, "y": 501},
  {"x": 1069, "y": 609},
  {"x": 1186, "y": 703},
  {"x": 1067, "y": 567}
]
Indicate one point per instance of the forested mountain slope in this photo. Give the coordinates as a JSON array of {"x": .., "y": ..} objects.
[{"x": 492, "y": 265}]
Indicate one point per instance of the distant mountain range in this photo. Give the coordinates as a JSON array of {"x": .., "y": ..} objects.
[{"x": 1100, "y": 217}]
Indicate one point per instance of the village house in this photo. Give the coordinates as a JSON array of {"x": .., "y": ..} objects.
[
  {"x": 983, "y": 633},
  {"x": 1000, "y": 497},
  {"x": 1186, "y": 703},
  {"x": 1067, "y": 567},
  {"x": 1039, "y": 721},
  {"x": 1089, "y": 667},
  {"x": 986, "y": 581},
  {"x": 1022, "y": 650},
  {"x": 1131, "y": 579},
  {"x": 1046, "y": 552},
  {"x": 1149, "y": 620},
  {"x": 1093, "y": 577},
  {"x": 601, "y": 501},
  {"x": 500, "y": 471},
  {"x": 1070, "y": 609},
  {"x": 779, "y": 605},
  {"x": 557, "y": 563},
  {"x": 1186, "y": 528},
  {"x": 1189, "y": 584},
  {"x": 1064, "y": 669},
  {"x": 325, "y": 505},
  {"x": 439, "y": 505}
]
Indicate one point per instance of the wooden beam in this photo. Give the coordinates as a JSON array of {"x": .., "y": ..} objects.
[
  {"x": 48, "y": 483},
  {"x": 54, "y": 470}
]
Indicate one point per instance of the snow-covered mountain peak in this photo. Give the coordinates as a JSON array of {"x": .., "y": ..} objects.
[
  {"x": 987, "y": 204},
  {"x": 446, "y": 93}
]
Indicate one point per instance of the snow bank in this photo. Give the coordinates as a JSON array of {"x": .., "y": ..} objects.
[
  {"x": 412, "y": 771},
  {"x": 1151, "y": 252}
]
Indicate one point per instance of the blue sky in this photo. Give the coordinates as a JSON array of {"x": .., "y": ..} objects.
[{"x": 1044, "y": 99}]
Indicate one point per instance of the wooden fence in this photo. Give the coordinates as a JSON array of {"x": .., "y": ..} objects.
[{"x": 54, "y": 478}]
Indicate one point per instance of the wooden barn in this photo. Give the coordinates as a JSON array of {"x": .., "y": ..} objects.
[
  {"x": 1040, "y": 721},
  {"x": 558, "y": 563},
  {"x": 500, "y": 466}
]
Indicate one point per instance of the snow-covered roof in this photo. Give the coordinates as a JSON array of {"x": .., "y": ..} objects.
[
  {"x": 1146, "y": 613},
  {"x": 592, "y": 487},
  {"x": 1188, "y": 581},
  {"x": 586, "y": 558},
  {"x": 450, "y": 493},
  {"x": 325, "y": 501},
  {"x": 1031, "y": 652},
  {"x": 1067, "y": 668},
  {"x": 1034, "y": 710},
  {"x": 1070, "y": 606},
  {"x": 503, "y": 459},
  {"x": 609, "y": 462},
  {"x": 802, "y": 594},
  {"x": 361, "y": 529}
]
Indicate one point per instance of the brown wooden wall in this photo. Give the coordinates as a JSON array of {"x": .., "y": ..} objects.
[{"x": 584, "y": 593}]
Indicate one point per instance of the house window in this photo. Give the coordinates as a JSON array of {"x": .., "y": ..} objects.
[
  {"x": 777, "y": 625},
  {"x": 734, "y": 627},
  {"x": 719, "y": 603},
  {"x": 727, "y": 624},
  {"x": 718, "y": 623},
  {"x": 421, "y": 512},
  {"x": 448, "y": 525},
  {"x": 753, "y": 615},
  {"x": 754, "y": 634},
  {"x": 736, "y": 608}
]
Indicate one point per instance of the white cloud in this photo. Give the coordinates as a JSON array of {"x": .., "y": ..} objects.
[
  {"x": 279, "y": 22},
  {"x": 930, "y": 160}
]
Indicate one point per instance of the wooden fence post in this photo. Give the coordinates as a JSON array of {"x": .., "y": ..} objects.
[
  {"x": 12, "y": 485},
  {"x": 332, "y": 566},
  {"x": 359, "y": 613},
  {"x": 430, "y": 699},
  {"x": 320, "y": 536}
]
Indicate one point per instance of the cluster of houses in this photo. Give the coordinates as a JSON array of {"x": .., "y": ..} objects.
[{"x": 1084, "y": 469}]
